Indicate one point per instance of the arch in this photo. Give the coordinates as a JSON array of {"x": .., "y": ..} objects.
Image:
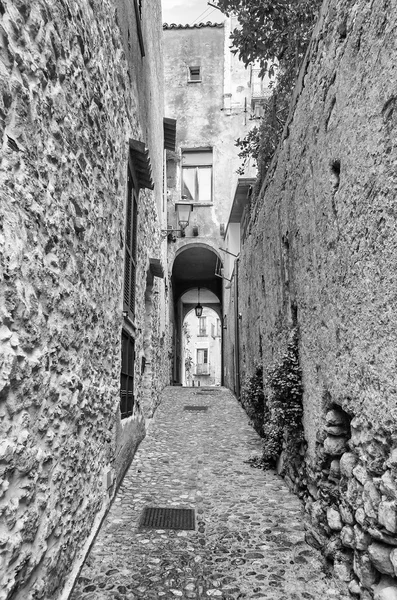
[
  {"x": 201, "y": 348},
  {"x": 195, "y": 265},
  {"x": 189, "y": 244}
]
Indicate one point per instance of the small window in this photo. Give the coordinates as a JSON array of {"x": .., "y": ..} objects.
[
  {"x": 218, "y": 327},
  {"x": 130, "y": 248},
  {"x": 197, "y": 176},
  {"x": 127, "y": 375},
  {"x": 202, "y": 366},
  {"x": 202, "y": 356},
  {"x": 202, "y": 326},
  {"x": 194, "y": 74}
]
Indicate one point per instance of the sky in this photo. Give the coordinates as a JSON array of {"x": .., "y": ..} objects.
[{"x": 190, "y": 12}]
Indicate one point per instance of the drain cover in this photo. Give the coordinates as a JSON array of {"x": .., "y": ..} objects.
[
  {"x": 167, "y": 518},
  {"x": 194, "y": 408}
]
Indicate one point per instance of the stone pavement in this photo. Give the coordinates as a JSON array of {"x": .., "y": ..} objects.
[{"x": 249, "y": 537}]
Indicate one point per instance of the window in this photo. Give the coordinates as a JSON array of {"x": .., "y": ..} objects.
[
  {"x": 130, "y": 244},
  {"x": 218, "y": 327},
  {"x": 202, "y": 326},
  {"x": 202, "y": 362},
  {"x": 197, "y": 176},
  {"x": 127, "y": 375},
  {"x": 194, "y": 75},
  {"x": 259, "y": 85},
  {"x": 128, "y": 342},
  {"x": 136, "y": 179},
  {"x": 216, "y": 332}
]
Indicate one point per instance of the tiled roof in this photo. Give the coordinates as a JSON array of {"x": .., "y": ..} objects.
[{"x": 187, "y": 26}]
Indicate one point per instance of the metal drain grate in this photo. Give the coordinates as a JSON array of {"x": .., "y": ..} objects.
[
  {"x": 155, "y": 517},
  {"x": 194, "y": 408}
]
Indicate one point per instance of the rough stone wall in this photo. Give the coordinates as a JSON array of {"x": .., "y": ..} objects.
[
  {"x": 321, "y": 247},
  {"x": 68, "y": 106}
]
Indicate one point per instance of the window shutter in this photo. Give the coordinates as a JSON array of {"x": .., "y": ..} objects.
[{"x": 130, "y": 247}]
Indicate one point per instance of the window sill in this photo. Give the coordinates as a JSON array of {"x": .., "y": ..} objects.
[{"x": 194, "y": 80}]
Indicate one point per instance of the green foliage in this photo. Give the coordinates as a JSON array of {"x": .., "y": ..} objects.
[
  {"x": 275, "y": 34},
  {"x": 274, "y": 405},
  {"x": 271, "y": 30},
  {"x": 283, "y": 413},
  {"x": 253, "y": 398},
  {"x": 188, "y": 355},
  {"x": 188, "y": 362},
  {"x": 249, "y": 147}
]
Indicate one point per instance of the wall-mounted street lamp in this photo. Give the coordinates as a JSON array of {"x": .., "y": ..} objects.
[
  {"x": 198, "y": 309},
  {"x": 183, "y": 211}
]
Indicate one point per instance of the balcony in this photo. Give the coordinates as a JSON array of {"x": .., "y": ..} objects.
[{"x": 202, "y": 369}]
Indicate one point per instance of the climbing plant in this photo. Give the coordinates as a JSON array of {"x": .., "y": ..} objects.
[
  {"x": 253, "y": 398},
  {"x": 271, "y": 31},
  {"x": 282, "y": 427},
  {"x": 188, "y": 355},
  {"x": 275, "y": 35}
]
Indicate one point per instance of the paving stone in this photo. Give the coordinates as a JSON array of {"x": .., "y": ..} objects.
[{"x": 249, "y": 537}]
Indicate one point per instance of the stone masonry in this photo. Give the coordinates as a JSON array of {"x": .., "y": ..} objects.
[
  {"x": 69, "y": 104},
  {"x": 320, "y": 251}
]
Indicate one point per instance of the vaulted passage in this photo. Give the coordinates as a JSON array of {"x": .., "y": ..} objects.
[
  {"x": 197, "y": 343},
  {"x": 195, "y": 266}
]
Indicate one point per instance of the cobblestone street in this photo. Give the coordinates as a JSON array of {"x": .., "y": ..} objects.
[{"x": 249, "y": 537}]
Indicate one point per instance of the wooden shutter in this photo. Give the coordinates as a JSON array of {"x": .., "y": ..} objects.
[{"x": 130, "y": 246}]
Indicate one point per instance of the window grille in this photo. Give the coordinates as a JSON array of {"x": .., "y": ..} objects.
[{"x": 127, "y": 375}]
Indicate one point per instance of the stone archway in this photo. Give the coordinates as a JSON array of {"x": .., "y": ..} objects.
[{"x": 196, "y": 265}]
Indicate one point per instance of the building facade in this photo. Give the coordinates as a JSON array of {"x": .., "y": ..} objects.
[
  {"x": 83, "y": 278},
  {"x": 209, "y": 91},
  {"x": 202, "y": 356}
]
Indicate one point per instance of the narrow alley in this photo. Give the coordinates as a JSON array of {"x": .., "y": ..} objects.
[
  {"x": 248, "y": 540},
  {"x": 198, "y": 248}
]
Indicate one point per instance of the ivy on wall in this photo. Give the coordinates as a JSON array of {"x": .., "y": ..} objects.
[
  {"x": 253, "y": 399},
  {"x": 274, "y": 405},
  {"x": 282, "y": 427}
]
